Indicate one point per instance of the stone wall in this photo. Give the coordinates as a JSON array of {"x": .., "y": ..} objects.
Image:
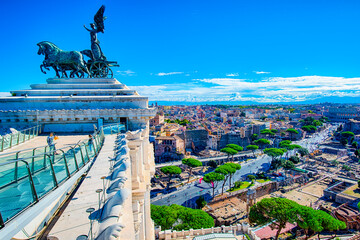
[
  {"x": 195, "y": 138},
  {"x": 188, "y": 234},
  {"x": 233, "y": 138},
  {"x": 262, "y": 189},
  {"x": 76, "y": 120}
]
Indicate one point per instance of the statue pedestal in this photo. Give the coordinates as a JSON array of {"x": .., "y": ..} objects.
[{"x": 75, "y": 104}]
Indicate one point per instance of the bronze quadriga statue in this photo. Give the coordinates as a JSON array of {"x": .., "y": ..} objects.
[{"x": 63, "y": 61}]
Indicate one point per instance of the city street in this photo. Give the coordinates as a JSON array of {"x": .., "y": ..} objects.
[{"x": 187, "y": 194}]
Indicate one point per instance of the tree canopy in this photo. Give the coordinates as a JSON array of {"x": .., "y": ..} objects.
[
  {"x": 262, "y": 142},
  {"x": 347, "y": 134},
  {"x": 213, "y": 179},
  {"x": 229, "y": 151},
  {"x": 235, "y": 147},
  {"x": 294, "y": 159},
  {"x": 267, "y": 132},
  {"x": 317, "y": 123},
  {"x": 179, "y": 218},
  {"x": 191, "y": 163},
  {"x": 309, "y": 128},
  {"x": 170, "y": 170},
  {"x": 235, "y": 166},
  {"x": 254, "y": 137},
  {"x": 274, "y": 152},
  {"x": 225, "y": 170},
  {"x": 253, "y": 148},
  {"x": 303, "y": 151},
  {"x": 280, "y": 211},
  {"x": 292, "y": 131},
  {"x": 288, "y": 164}
]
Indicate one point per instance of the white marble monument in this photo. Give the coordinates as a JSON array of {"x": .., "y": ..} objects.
[{"x": 75, "y": 105}]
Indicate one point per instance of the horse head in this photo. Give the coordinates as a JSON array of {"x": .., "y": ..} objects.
[{"x": 46, "y": 48}]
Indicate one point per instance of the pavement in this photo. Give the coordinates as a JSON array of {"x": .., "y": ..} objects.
[
  {"x": 187, "y": 194},
  {"x": 175, "y": 163},
  {"x": 40, "y": 142}
]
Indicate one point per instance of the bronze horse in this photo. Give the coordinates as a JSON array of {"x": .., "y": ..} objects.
[{"x": 62, "y": 61}]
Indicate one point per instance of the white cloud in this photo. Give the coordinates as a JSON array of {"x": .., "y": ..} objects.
[
  {"x": 232, "y": 74},
  {"x": 127, "y": 73},
  {"x": 169, "y": 73},
  {"x": 261, "y": 72},
  {"x": 4, "y": 94},
  {"x": 275, "y": 89}
]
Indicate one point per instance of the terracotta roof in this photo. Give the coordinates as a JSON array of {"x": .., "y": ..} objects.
[{"x": 266, "y": 232}]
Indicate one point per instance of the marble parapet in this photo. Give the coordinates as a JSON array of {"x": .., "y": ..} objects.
[
  {"x": 74, "y": 93},
  {"x": 76, "y": 105}
]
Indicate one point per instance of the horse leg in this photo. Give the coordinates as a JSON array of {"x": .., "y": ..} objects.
[
  {"x": 56, "y": 70},
  {"x": 41, "y": 68}
]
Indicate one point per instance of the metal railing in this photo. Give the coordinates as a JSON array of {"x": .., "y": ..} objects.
[
  {"x": 9, "y": 140},
  {"x": 24, "y": 181},
  {"x": 114, "y": 128}
]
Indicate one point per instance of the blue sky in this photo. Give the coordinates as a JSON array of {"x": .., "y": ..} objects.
[{"x": 199, "y": 51}]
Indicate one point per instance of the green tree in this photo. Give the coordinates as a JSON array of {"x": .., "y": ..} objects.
[
  {"x": 212, "y": 164},
  {"x": 308, "y": 121},
  {"x": 251, "y": 178},
  {"x": 254, "y": 137},
  {"x": 274, "y": 130},
  {"x": 225, "y": 170},
  {"x": 235, "y": 147},
  {"x": 275, "y": 153},
  {"x": 235, "y": 166},
  {"x": 309, "y": 128},
  {"x": 228, "y": 151},
  {"x": 267, "y": 132},
  {"x": 278, "y": 211},
  {"x": 288, "y": 164},
  {"x": 292, "y": 132},
  {"x": 308, "y": 220},
  {"x": 334, "y": 162},
  {"x": 253, "y": 148},
  {"x": 262, "y": 142},
  {"x": 294, "y": 159},
  {"x": 164, "y": 216},
  {"x": 237, "y": 184},
  {"x": 344, "y": 141},
  {"x": 328, "y": 222},
  {"x": 346, "y": 167},
  {"x": 355, "y": 144},
  {"x": 179, "y": 218},
  {"x": 191, "y": 163},
  {"x": 170, "y": 171},
  {"x": 288, "y": 146},
  {"x": 200, "y": 202},
  {"x": 303, "y": 151},
  {"x": 347, "y": 134},
  {"x": 317, "y": 123},
  {"x": 213, "y": 180},
  {"x": 340, "y": 128},
  {"x": 324, "y": 119},
  {"x": 357, "y": 153}
]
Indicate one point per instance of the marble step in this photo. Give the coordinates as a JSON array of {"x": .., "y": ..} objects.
[
  {"x": 79, "y": 86},
  {"x": 73, "y": 92},
  {"x": 81, "y": 80}
]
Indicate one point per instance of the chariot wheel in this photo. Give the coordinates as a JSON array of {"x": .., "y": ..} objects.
[
  {"x": 99, "y": 70},
  {"x": 110, "y": 74}
]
